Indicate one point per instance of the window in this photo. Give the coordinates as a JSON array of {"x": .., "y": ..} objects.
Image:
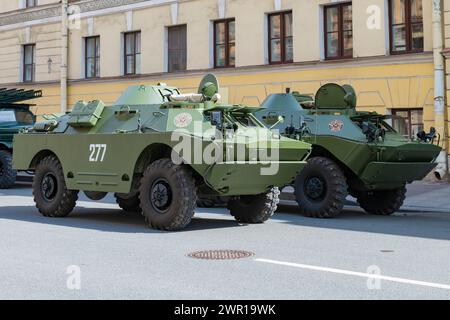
[
  {"x": 413, "y": 119},
  {"x": 132, "y": 54},
  {"x": 7, "y": 116},
  {"x": 406, "y": 26},
  {"x": 19, "y": 116},
  {"x": 30, "y": 3},
  {"x": 92, "y": 57},
  {"x": 338, "y": 31},
  {"x": 24, "y": 117},
  {"x": 281, "y": 48},
  {"x": 28, "y": 62},
  {"x": 177, "y": 52},
  {"x": 224, "y": 43}
]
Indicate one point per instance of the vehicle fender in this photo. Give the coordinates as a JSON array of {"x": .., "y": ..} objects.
[{"x": 5, "y": 146}]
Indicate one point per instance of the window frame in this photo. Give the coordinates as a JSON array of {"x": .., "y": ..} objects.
[
  {"x": 32, "y": 5},
  {"x": 134, "y": 54},
  {"x": 395, "y": 111},
  {"x": 227, "y": 43},
  {"x": 169, "y": 28},
  {"x": 408, "y": 30},
  {"x": 340, "y": 30},
  {"x": 96, "y": 58},
  {"x": 32, "y": 64},
  {"x": 282, "y": 38}
]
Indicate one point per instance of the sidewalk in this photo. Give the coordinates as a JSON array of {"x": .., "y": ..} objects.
[
  {"x": 421, "y": 196},
  {"x": 428, "y": 196}
]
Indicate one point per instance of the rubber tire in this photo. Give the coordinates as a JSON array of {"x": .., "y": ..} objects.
[
  {"x": 184, "y": 199},
  {"x": 382, "y": 202},
  {"x": 337, "y": 189},
  {"x": 255, "y": 209},
  {"x": 130, "y": 204},
  {"x": 65, "y": 200},
  {"x": 9, "y": 176}
]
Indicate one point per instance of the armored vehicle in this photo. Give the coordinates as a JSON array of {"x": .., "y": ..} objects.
[
  {"x": 151, "y": 147},
  {"x": 14, "y": 117},
  {"x": 353, "y": 152}
]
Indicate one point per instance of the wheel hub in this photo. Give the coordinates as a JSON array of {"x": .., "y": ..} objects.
[
  {"x": 49, "y": 186},
  {"x": 161, "y": 195},
  {"x": 315, "y": 188}
]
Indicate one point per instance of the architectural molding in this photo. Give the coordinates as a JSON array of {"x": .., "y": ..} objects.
[
  {"x": 90, "y": 23},
  {"x": 221, "y": 4},
  {"x": 174, "y": 12},
  {"x": 52, "y": 13},
  {"x": 420, "y": 58},
  {"x": 129, "y": 18},
  {"x": 30, "y": 15},
  {"x": 27, "y": 35},
  {"x": 277, "y": 5}
]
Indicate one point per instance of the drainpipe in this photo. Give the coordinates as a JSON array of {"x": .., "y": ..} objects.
[
  {"x": 64, "y": 54},
  {"x": 439, "y": 87}
]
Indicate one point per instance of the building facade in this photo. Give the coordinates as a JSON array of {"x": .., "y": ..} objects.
[{"x": 384, "y": 48}]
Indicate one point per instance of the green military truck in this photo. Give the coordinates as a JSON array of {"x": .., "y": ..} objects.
[
  {"x": 15, "y": 115},
  {"x": 353, "y": 152},
  {"x": 149, "y": 148}
]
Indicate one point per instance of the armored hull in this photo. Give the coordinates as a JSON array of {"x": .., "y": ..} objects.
[
  {"x": 15, "y": 116},
  {"x": 158, "y": 150},
  {"x": 371, "y": 159}
]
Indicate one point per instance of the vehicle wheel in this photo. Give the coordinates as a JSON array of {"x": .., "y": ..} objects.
[
  {"x": 128, "y": 204},
  {"x": 7, "y": 173},
  {"x": 211, "y": 202},
  {"x": 255, "y": 209},
  {"x": 321, "y": 188},
  {"x": 382, "y": 202},
  {"x": 49, "y": 189},
  {"x": 168, "y": 195}
]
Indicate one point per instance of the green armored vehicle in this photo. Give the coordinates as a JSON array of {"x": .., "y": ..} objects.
[
  {"x": 14, "y": 117},
  {"x": 353, "y": 152},
  {"x": 158, "y": 151}
]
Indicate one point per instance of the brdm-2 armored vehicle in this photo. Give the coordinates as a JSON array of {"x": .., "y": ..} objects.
[
  {"x": 159, "y": 150},
  {"x": 353, "y": 152},
  {"x": 15, "y": 115}
]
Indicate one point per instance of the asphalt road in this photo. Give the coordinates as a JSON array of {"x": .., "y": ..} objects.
[{"x": 356, "y": 256}]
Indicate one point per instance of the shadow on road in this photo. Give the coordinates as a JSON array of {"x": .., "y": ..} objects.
[
  {"x": 431, "y": 225},
  {"x": 107, "y": 220},
  {"x": 410, "y": 223}
]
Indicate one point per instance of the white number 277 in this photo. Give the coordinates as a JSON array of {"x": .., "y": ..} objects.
[{"x": 97, "y": 152}]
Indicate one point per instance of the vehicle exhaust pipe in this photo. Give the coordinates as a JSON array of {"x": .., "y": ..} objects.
[{"x": 439, "y": 174}]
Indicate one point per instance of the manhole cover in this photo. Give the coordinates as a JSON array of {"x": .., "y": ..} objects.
[{"x": 220, "y": 254}]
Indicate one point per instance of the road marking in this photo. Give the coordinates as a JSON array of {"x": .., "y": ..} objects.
[{"x": 357, "y": 274}]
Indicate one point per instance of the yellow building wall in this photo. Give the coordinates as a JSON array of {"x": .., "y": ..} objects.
[
  {"x": 152, "y": 21},
  {"x": 381, "y": 85},
  {"x": 9, "y": 5},
  {"x": 45, "y": 37},
  {"x": 251, "y": 33}
]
